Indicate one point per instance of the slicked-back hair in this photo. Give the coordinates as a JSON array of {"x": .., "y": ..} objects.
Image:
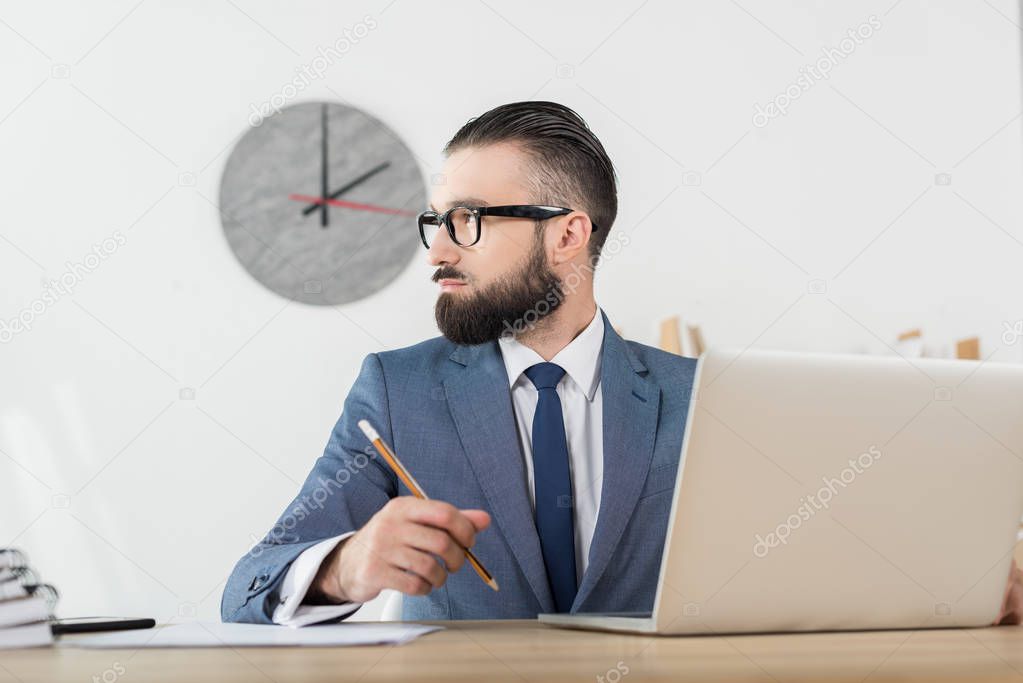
[{"x": 569, "y": 164}]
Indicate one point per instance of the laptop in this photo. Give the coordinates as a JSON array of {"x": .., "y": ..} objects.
[{"x": 822, "y": 492}]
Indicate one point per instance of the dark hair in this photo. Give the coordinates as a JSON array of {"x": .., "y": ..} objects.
[{"x": 572, "y": 169}]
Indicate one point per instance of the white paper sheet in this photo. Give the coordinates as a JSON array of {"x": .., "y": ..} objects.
[{"x": 216, "y": 634}]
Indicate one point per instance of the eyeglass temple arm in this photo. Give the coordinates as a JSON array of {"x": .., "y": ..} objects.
[{"x": 535, "y": 212}]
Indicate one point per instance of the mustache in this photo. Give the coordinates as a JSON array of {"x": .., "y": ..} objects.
[{"x": 447, "y": 272}]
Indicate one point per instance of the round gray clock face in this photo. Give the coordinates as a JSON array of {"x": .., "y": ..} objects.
[{"x": 319, "y": 203}]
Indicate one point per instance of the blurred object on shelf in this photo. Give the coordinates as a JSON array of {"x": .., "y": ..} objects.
[
  {"x": 968, "y": 349},
  {"x": 910, "y": 344},
  {"x": 681, "y": 338},
  {"x": 670, "y": 340}
]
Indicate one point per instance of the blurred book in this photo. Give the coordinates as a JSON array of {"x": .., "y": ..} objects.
[
  {"x": 12, "y": 557},
  {"x": 968, "y": 349},
  {"x": 26, "y": 604},
  {"x": 19, "y": 611},
  {"x": 680, "y": 337},
  {"x": 26, "y": 635},
  {"x": 910, "y": 344}
]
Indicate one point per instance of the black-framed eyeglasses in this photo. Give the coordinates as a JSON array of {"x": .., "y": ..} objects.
[{"x": 463, "y": 222}]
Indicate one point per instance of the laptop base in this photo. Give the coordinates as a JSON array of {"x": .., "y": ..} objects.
[{"x": 601, "y": 622}]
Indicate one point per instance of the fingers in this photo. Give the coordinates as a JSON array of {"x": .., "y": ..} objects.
[
  {"x": 369, "y": 567},
  {"x": 406, "y": 582},
  {"x": 444, "y": 516},
  {"x": 479, "y": 519},
  {"x": 410, "y": 545},
  {"x": 435, "y": 542},
  {"x": 423, "y": 565}
]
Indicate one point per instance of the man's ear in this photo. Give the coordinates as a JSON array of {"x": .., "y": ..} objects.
[{"x": 572, "y": 237}]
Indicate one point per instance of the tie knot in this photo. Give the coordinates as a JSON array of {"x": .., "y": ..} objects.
[{"x": 545, "y": 375}]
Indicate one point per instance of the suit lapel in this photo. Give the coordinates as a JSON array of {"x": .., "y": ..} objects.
[
  {"x": 481, "y": 407},
  {"x": 631, "y": 403}
]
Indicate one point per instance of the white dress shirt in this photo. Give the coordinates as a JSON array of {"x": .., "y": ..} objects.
[
  {"x": 581, "y": 403},
  {"x": 581, "y": 406}
]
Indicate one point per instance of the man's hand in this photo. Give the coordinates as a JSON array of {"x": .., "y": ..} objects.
[
  {"x": 1012, "y": 604},
  {"x": 399, "y": 548}
]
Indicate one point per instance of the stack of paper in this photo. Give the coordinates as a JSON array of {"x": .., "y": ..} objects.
[
  {"x": 25, "y": 603},
  {"x": 216, "y": 634}
]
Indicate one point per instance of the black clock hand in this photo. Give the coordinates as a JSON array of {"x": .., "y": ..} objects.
[
  {"x": 323, "y": 164},
  {"x": 344, "y": 188}
]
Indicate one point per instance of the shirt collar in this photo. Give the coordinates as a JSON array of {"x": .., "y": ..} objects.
[{"x": 580, "y": 358}]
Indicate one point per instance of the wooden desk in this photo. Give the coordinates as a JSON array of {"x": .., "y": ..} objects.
[{"x": 526, "y": 651}]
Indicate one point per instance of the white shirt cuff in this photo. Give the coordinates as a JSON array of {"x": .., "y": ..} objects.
[{"x": 290, "y": 611}]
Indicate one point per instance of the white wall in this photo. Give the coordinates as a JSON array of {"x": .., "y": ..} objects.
[{"x": 134, "y": 501}]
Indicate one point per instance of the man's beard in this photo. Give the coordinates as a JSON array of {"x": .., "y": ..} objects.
[{"x": 512, "y": 304}]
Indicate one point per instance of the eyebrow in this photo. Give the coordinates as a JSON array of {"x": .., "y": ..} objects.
[{"x": 465, "y": 201}]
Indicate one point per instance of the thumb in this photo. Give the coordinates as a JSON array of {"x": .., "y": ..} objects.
[{"x": 479, "y": 518}]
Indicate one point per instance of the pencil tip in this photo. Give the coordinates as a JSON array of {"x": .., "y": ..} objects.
[{"x": 493, "y": 584}]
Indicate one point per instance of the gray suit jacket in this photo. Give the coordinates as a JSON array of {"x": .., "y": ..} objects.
[{"x": 447, "y": 411}]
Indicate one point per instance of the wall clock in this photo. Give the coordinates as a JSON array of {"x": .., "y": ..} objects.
[{"x": 318, "y": 203}]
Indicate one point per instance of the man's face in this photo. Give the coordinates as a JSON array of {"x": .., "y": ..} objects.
[{"x": 486, "y": 290}]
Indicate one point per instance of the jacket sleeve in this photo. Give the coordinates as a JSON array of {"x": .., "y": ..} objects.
[{"x": 348, "y": 484}]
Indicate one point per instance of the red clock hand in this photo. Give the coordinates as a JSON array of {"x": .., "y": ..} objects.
[{"x": 350, "y": 205}]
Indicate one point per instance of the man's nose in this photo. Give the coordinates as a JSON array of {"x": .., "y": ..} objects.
[{"x": 442, "y": 250}]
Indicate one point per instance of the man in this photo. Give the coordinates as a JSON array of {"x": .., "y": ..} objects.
[
  {"x": 549, "y": 444},
  {"x": 552, "y": 442}
]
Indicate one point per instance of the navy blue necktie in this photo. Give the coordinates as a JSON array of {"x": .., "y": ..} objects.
[{"x": 552, "y": 485}]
